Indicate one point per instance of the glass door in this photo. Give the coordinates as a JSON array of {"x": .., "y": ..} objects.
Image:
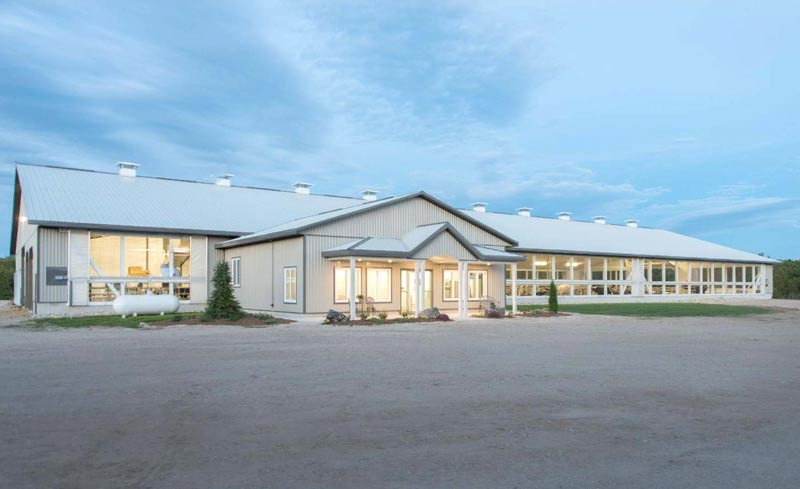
[{"x": 408, "y": 290}]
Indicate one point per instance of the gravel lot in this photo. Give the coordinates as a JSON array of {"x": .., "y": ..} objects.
[{"x": 575, "y": 401}]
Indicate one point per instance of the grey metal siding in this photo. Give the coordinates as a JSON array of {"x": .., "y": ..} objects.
[
  {"x": 199, "y": 269},
  {"x": 52, "y": 252},
  {"x": 445, "y": 245},
  {"x": 213, "y": 256},
  {"x": 79, "y": 266},
  {"x": 261, "y": 280},
  {"x": 395, "y": 220}
]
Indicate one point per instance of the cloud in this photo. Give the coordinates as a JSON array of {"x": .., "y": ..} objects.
[{"x": 730, "y": 207}]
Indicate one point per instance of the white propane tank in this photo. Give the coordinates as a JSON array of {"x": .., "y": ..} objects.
[{"x": 126, "y": 305}]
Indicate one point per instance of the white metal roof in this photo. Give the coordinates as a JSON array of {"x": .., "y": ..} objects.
[
  {"x": 411, "y": 242},
  {"x": 557, "y": 236},
  {"x": 70, "y": 197}
]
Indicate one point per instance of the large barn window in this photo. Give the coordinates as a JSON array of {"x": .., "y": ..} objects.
[{"x": 137, "y": 265}]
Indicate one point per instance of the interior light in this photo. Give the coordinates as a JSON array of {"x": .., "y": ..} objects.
[{"x": 540, "y": 263}]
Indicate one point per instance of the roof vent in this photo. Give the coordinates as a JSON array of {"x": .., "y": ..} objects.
[
  {"x": 127, "y": 169},
  {"x": 600, "y": 219},
  {"x": 224, "y": 180},
  {"x": 302, "y": 188},
  {"x": 524, "y": 211},
  {"x": 369, "y": 195},
  {"x": 479, "y": 206},
  {"x": 632, "y": 223},
  {"x": 564, "y": 216}
]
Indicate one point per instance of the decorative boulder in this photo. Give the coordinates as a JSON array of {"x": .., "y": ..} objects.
[
  {"x": 495, "y": 313},
  {"x": 432, "y": 313},
  {"x": 335, "y": 317},
  {"x": 443, "y": 317}
]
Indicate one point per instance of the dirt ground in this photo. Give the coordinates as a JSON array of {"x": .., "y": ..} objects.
[{"x": 574, "y": 401}]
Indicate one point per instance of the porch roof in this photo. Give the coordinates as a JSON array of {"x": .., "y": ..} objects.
[{"x": 407, "y": 246}]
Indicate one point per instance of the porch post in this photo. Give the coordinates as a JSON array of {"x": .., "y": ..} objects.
[
  {"x": 463, "y": 296},
  {"x": 513, "y": 289},
  {"x": 352, "y": 288},
  {"x": 417, "y": 306}
]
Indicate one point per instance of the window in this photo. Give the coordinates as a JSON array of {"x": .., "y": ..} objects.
[
  {"x": 450, "y": 281},
  {"x": 477, "y": 285},
  {"x": 341, "y": 286},
  {"x": 379, "y": 284},
  {"x": 236, "y": 271},
  {"x": 290, "y": 285},
  {"x": 121, "y": 264}
]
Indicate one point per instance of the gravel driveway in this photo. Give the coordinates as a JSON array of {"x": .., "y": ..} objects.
[{"x": 575, "y": 401}]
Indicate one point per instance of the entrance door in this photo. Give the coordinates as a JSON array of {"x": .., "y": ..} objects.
[{"x": 408, "y": 290}]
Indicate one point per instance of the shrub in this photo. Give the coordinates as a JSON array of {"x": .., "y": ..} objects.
[
  {"x": 223, "y": 304},
  {"x": 552, "y": 302},
  {"x": 786, "y": 280},
  {"x": 383, "y": 315},
  {"x": 405, "y": 314}
]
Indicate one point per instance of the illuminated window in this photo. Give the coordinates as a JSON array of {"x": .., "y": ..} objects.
[
  {"x": 236, "y": 271},
  {"x": 341, "y": 287},
  {"x": 450, "y": 281},
  {"x": 290, "y": 285},
  {"x": 379, "y": 284}
]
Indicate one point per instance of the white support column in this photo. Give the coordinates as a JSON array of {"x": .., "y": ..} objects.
[
  {"x": 352, "y": 291},
  {"x": 417, "y": 287},
  {"x": 463, "y": 296},
  {"x": 513, "y": 289}
]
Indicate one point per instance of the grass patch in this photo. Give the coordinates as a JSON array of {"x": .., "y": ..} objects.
[
  {"x": 658, "y": 310},
  {"x": 113, "y": 321}
]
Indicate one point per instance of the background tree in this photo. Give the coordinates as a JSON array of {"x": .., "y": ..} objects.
[
  {"x": 7, "y": 265},
  {"x": 552, "y": 302},
  {"x": 223, "y": 304},
  {"x": 786, "y": 280}
]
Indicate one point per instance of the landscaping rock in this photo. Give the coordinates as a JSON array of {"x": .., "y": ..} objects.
[
  {"x": 432, "y": 313},
  {"x": 336, "y": 317}
]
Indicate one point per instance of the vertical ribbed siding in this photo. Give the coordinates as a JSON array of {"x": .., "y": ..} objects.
[
  {"x": 445, "y": 245},
  {"x": 52, "y": 250},
  {"x": 213, "y": 256},
  {"x": 288, "y": 253},
  {"x": 395, "y": 220},
  {"x": 79, "y": 266},
  {"x": 319, "y": 273},
  {"x": 199, "y": 269},
  {"x": 261, "y": 282}
]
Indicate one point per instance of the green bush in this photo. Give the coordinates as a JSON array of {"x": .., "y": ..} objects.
[
  {"x": 7, "y": 266},
  {"x": 552, "y": 302},
  {"x": 223, "y": 304},
  {"x": 786, "y": 280}
]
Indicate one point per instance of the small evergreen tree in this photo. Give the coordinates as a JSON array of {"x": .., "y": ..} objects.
[
  {"x": 553, "y": 299},
  {"x": 223, "y": 304}
]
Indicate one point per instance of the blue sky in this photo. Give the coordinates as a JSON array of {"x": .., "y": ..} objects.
[{"x": 683, "y": 114}]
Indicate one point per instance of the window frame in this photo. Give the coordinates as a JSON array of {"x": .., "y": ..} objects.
[
  {"x": 236, "y": 271},
  {"x": 290, "y": 300},
  {"x": 485, "y": 274},
  {"x": 367, "y": 294},
  {"x": 359, "y": 284},
  {"x": 456, "y": 283}
]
